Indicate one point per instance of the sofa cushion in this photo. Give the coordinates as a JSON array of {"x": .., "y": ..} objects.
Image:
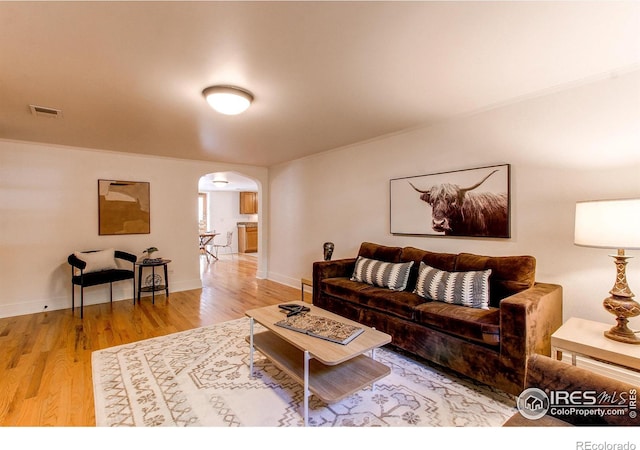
[
  {"x": 382, "y": 274},
  {"x": 469, "y": 288},
  {"x": 399, "y": 303},
  {"x": 380, "y": 252},
  {"x": 509, "y": 274},
  {"x": 442, "y": 261},
  {"x": 481, "y": 325}
]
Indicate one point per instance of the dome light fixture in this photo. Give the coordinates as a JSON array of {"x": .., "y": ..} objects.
[
  {"x": 220, "y": 182},
  {"x": 229, "y": 100}
]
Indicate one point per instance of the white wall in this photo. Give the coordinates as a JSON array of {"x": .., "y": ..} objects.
[
  {"x": 574, "y": 144},
  {"x": 49, "y": 208}
]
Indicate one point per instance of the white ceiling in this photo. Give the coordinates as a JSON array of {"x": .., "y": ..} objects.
[
  {"x": 235, "y": 182},
  {"x": 129, "y": 75}
]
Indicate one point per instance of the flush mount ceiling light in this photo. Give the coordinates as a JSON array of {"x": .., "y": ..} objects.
[
  {"x": 219, "y": 182},
  {"x": 230, "y": 100}
]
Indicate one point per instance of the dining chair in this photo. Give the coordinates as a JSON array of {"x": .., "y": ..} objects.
[{"x": 227, "y": 244}]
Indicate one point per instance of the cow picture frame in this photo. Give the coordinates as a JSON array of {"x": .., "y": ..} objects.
[
  {"x": 123, "y": 207},
  {"x": 472, "y": 203}
]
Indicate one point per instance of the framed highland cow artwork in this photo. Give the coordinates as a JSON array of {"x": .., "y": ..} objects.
[{"x": 467, "y": 203}]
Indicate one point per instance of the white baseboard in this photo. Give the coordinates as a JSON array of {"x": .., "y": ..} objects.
[
  {"x": 287, "y": 281},
  {"x": 186, "y": 285},
  {"x": 93, "y": 295}
]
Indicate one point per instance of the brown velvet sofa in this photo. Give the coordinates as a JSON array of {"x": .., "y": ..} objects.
[
  {"x": 550, "y": 375},
  {"x": 489, "y": 345}
]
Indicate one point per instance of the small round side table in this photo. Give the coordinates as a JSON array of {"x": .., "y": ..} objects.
[{"x": 153, "y": 287}]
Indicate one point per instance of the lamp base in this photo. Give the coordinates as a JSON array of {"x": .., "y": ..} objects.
[
  {"x": 622, "y": 336},
  {"x": 622, "y": 308}
]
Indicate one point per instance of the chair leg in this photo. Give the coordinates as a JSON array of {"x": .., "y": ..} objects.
[
  {"x": 73, "y": 299},
  {"x": 81, "y": 302},
  {"x": 111, "y": 292}
]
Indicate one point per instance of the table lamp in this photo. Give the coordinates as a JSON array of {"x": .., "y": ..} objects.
[{"x": 613, "y": 224}]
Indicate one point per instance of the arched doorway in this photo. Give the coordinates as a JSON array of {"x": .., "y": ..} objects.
[{"x": 221, "y": 199}]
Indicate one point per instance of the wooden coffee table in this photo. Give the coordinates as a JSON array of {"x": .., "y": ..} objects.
[{"x": 328, "y": 370}]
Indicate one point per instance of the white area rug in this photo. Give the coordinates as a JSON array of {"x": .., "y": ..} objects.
[{"x": 201, "y": 377}]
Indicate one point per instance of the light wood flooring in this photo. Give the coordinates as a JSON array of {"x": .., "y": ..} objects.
[{"x": 45, "y": 358}]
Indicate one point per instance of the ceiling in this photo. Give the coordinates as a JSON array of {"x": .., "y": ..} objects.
[
  {"x": 235, "y": 182},
  {"x": 128, "y": 76}
]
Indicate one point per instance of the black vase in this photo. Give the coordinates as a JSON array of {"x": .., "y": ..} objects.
[{"x": 328, "y": 250}]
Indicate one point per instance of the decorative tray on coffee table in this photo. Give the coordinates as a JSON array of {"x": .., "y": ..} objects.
[{"x": 321, "y": 327}]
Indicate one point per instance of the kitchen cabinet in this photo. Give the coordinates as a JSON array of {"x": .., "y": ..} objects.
[
  {"x": 248, "y": 203},
  {"x": 247, "y": 237}
]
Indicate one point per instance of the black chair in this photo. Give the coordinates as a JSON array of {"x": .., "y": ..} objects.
[{"x": 84, "y": 279}]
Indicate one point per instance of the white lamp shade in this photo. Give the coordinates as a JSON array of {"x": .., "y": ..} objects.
[
  {"x": 608, "y": 224},
  {"x": 228, "y": 100}
]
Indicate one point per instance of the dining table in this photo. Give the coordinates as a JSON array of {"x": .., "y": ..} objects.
[{"x": 206, "y": 239}]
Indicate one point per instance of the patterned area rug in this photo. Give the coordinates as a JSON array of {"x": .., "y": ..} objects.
[{"x": 201, "y": 377}]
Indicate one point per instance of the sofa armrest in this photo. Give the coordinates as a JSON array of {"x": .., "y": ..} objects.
[
  {"x": 527, "y": 321},
  {"x": 331, "y": 269},
  {"x": 551, "y": 375}
]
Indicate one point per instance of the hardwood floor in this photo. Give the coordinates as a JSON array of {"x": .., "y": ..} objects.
[{"x": 45, "y": 365}]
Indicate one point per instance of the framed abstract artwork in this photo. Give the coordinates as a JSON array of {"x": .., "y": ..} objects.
[
  {"x": 470, "y": 202},
  {"x": 123, "y": 207}
]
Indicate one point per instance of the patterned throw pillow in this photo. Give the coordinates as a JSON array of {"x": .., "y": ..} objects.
[
  {"x": 459, "y": 288},
  {"x": 383, "y": 274}
]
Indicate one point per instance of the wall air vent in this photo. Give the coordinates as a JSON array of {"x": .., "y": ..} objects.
[{"x": 44, "y": 111}]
